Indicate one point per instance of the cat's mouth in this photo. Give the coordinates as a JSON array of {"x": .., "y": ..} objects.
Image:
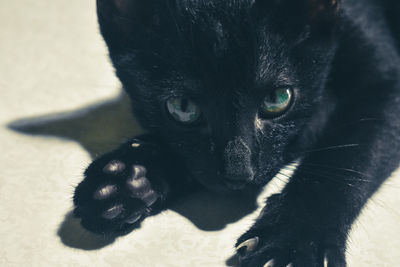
[
  {"x": 238, "y": 181},
  {"x": 234, "y": 184},
  {"x": 221, "y": 181}
]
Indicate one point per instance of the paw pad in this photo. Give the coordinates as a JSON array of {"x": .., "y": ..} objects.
[
  {"x": 105, "y": 192},
  {"x": 139, "y": 186},
  {"x": 119, "y": 191},
  {"x": 136, "y": 143},
  {"x": 116, "y": 195},
  {"x": 136, "y": 186},
  {"x": 114, "y": 167}
]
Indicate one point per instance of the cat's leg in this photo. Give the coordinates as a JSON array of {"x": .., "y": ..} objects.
[
  {"x": 124, "y": 186},
  {"x": 307, "y": 224}
]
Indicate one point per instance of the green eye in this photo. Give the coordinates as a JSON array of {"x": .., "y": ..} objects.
[
  {"x": 183, "y": 110},
  {"x": 276, "y": 103}
]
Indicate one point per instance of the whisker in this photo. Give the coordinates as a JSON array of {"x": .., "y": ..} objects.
[
  {"x": 336, "y": 175},
  {"x": 336, "y": 168},
  {"x": 331, "y": 148},
  {"x": 346, "y": 178},
  {"x": 280, "y": 179},
  {"x": 312, "y": 172},
  {"x": 358, "y": 121},
  {"x": 327, "y": 177},
  {"x": 380, "y": 203},
  {"x": 287, "y": 176}
]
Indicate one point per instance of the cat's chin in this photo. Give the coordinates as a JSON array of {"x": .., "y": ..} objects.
[
  {"x": 224, "y": 185},
  {"x": 234, "y": 185}
]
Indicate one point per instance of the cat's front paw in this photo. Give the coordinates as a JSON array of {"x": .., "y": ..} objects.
[
  {"x": 120, "y": 189},
  {"x": 279, "y": 240}
]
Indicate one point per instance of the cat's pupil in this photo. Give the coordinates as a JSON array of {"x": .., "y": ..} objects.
[
  {"x": 184, "y": 105},
  {"x": 273, "y": 97},
  {"x": 183, "y": 110}
]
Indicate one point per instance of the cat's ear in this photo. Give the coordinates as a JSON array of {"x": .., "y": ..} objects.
[{"x": 120, "y": 19}]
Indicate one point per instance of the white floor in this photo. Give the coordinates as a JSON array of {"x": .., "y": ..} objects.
[{"x": 60, "y": 104}]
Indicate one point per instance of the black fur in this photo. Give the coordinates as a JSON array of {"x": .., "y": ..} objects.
[{"x": 340, "y": 58}]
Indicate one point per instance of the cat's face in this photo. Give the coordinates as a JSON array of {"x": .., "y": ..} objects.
[{"x": 231, "y": 86}]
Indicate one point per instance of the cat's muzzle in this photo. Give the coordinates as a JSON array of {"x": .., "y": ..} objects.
[{"x": 238, "y": 169}]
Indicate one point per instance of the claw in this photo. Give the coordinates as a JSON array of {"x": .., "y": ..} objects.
[
  {"x": 150, "y": 198},
  {"x": 133, "y": 218},
  {"x": 325, "y": 261},
  {"x": 112, "y": 212},
  {"x": 271, "y": 263},
  {"x": 290, "y": 265},
  {"x": 249, "y": 244}
]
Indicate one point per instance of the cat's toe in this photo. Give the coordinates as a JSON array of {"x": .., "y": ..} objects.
[
  {"x": 105, "y": 192},
  {"x": 115, "y": 196},
  {"x": 139, "y": 186},
  {"x": 114, "y": 167},
  {"x": 265, "y": 252}
]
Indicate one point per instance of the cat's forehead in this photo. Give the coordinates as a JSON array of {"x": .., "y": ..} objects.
[
  {"x": 199, "y": 5},
  {"x": 218, "y": 43},
  {"x": 222, "y": 25},
  {"x": 215, "y": 28},
  {"x": 223, "y": 37},
  {"x": 214, "y": 15}
]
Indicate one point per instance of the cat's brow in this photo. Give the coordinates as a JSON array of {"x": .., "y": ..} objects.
[{"x": 274, "y": 80}]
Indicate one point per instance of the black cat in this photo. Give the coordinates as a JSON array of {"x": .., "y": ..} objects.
[{"x": 230, "y": 92}]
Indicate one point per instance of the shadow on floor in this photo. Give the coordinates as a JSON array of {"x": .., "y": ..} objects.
[{"x": 100, "y": 128}]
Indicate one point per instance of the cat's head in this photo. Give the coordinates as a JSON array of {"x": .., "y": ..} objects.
[{"x": 232, "y": 86}]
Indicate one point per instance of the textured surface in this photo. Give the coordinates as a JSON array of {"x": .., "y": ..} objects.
[{"x": 60, "y": 105}]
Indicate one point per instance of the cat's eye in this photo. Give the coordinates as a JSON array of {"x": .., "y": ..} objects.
[
  {"x": 183, "y": 110},
  {"x": 276, "y": 103}
]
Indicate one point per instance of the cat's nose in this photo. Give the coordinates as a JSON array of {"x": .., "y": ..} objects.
[{"x": 237, "y": 159}]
